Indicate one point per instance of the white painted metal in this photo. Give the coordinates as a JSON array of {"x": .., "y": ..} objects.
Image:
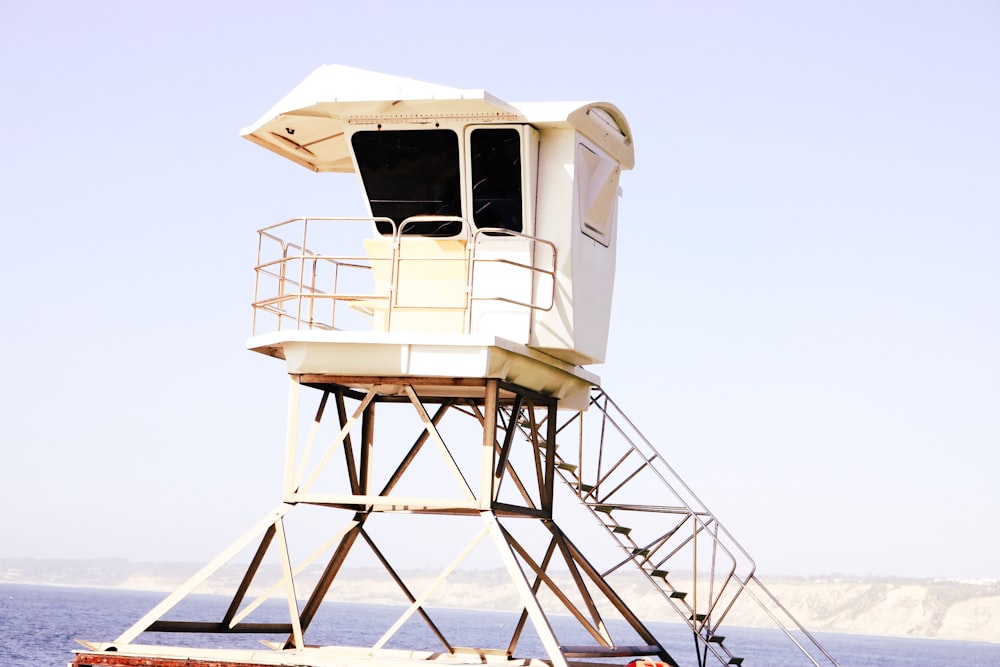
[
  {"x": 306, "y": 562},
  {"x": 321, "y": 110},
  {"x": 303, "y": 491},
  {"x": 289, "y": 583},
  {"x": 439, "y": 443},
  {"x": 388, "y": 354},
  {"x": 201, "y": 575},
  {"x": 422, "y": 599},
  {"x": 291, "y": 435},
  {"x": 535, "y": 613}
]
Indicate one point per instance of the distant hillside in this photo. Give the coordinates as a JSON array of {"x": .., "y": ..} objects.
[{"x": 965, "y": 611}]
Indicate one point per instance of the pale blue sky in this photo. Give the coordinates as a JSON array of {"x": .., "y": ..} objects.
[{"x": 807, "y": 314}]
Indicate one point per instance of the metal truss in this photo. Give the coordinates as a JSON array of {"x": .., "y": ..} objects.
[{"x": 487, "y": 455}]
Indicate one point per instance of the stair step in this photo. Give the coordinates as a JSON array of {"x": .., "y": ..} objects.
[
  {"x": 586, "y": 488},
  {"x": 566, "y": 466},
  {"x": 640, "y": 552},
  {"x": 603, "y": 508},
  {"x": 717, "y": 639},
  {"x": 736, "y": 661},
  {"x": 678, "y": 595},
  {"x": 662, "y": 574},
  {"x": 697, "y": 617},
  {"x": 621, "y": 530}
]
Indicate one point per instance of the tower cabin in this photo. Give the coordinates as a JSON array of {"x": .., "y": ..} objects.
[{"x": 488, "y": 249}]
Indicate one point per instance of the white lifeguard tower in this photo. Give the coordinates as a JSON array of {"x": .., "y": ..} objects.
[
  {"x": 490, "y": 250},
  {"x": 450, "y": 326}
]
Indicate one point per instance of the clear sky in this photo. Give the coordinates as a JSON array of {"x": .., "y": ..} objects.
[{"x": 807, "y": 316}]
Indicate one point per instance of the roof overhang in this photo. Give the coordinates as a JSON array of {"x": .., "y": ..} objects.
[{"x": 310, "y": 125}]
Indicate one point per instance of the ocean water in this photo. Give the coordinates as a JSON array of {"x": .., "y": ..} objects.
[{"x": 38, "y": 626}]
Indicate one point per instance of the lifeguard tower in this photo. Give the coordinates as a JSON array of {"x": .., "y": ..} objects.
[{"x": 443, "y": 338}]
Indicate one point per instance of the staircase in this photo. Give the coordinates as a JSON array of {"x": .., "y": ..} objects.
[{"x": 678, "y": 545}]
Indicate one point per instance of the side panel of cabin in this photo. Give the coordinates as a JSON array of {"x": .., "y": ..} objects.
[{"x": 572, "y": 173}]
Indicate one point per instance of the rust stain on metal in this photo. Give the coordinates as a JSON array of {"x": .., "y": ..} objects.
[{"x": 118, "y": 660}]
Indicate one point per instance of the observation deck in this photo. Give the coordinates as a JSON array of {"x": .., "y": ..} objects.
[{"x": 453, "y": 311}]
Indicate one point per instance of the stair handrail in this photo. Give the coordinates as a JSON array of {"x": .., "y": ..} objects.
[{"x": 702, "y": 517}]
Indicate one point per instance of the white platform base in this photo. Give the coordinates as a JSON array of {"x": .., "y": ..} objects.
[{"x": 389, "y": 354}]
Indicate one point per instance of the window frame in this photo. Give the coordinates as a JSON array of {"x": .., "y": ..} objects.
[
  {"x": 528, "y": 140},
  {"x": 451, "y": 229}
]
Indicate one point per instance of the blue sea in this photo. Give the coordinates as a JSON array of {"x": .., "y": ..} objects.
[{"x": 38, "y": 626}]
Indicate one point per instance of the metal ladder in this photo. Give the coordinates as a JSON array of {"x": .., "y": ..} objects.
[{"x": 680, "y": 547}]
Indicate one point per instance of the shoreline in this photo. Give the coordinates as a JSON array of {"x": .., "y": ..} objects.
[
  {"x": 83, "y": 587},
  {"x": 950, "y": 610}
]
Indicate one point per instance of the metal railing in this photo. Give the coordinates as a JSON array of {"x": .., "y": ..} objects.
[
  {"x": 540, "y": 250},
  {"x": 316, "y": 273},
  {"x": 678, "y": 545}
]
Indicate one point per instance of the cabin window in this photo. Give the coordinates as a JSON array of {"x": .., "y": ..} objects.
[
  {"x": 411, "y": 172},
  {"x": 496, "y": 178},
  {"x": 597, "y": 192}
]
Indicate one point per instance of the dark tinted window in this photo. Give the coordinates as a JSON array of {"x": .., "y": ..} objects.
[
  {"x": 411, "y": 172},
  {"x": 496, "y": 178}
]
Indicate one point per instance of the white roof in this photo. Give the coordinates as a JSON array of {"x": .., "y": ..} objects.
[{"x": 307, "y": 125}]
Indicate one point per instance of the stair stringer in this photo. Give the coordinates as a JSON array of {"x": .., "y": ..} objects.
[{"x": 615, "y": 472}]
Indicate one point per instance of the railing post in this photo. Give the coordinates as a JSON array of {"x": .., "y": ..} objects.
[{"x": 302, "y": 272}]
